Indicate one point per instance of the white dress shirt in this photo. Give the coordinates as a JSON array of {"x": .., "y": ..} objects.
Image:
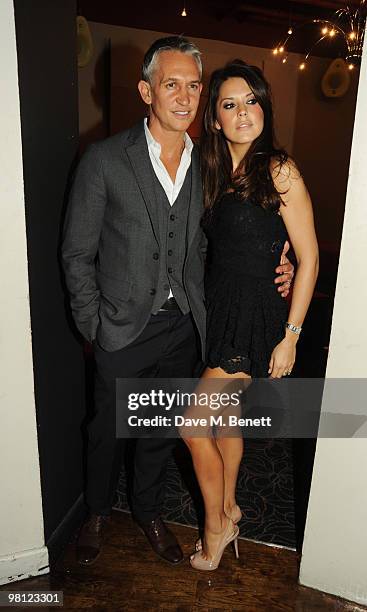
[{"x": 171, "y": 189}]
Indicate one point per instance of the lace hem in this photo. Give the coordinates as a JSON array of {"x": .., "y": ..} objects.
[{"x": 233, "y": 365}]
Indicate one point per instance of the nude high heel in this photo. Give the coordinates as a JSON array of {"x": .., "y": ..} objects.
[
  {"x": 230, "y": 534},
  {"x": 235, "y": 515}
]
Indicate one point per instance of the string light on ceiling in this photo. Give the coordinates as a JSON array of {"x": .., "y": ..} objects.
[
  {"x": 184, "y": 12},
  {"x": 345, "y": 25}
]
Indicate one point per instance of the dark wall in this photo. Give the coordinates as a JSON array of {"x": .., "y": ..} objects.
[
  {"x": 323, "y": 135},
  {"x": 46, "y": 41}
]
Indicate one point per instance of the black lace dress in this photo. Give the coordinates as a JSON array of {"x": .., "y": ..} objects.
[{"x": 245, "y": 313}]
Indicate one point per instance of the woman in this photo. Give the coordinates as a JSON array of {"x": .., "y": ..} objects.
[{"x": 254, "y": 198}]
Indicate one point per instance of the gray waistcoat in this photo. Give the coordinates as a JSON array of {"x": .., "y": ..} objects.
[{"x": 172, "y": 223}]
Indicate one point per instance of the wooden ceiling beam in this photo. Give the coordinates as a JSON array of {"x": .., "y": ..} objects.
[
  {"x": 277, "y": 14},
  {"x": 333, "y": 5},
  {"x": 243, "y": 11}
]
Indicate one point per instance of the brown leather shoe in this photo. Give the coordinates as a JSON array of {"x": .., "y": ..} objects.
[
  {"x": 90, "y": 539},
  {"x": 162, "y": 540}
]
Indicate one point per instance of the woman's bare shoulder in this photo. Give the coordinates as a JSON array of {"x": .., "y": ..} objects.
[{"x": 284, "y": 173}]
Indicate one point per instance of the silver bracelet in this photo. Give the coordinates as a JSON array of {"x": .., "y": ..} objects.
[{"x": 293, "y": 328}]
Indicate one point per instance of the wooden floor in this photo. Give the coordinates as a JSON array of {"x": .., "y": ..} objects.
[{"x": 128, "y": 576}]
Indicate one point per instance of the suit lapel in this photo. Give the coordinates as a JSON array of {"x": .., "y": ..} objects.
[
  {"x": 138, "y": 155},
  {"x": 196, "y": 199}
]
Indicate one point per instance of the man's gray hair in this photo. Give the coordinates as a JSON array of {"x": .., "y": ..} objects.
[{"x": 169, "y": 43}]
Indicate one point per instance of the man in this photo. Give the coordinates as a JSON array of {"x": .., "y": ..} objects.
[{"x": 133, "y": 255}]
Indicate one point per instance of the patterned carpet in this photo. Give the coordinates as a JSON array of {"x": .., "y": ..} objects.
[{"x": 264, "y": 493}]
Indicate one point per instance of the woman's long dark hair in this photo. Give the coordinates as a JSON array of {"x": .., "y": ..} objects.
[{"x": 252, "y": 179}]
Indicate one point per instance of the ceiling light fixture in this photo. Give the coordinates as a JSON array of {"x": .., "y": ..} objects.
[{"x": 344, "y": 25}]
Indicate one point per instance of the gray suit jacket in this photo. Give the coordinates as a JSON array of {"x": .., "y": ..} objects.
[{"x": 110, "y": 236}]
